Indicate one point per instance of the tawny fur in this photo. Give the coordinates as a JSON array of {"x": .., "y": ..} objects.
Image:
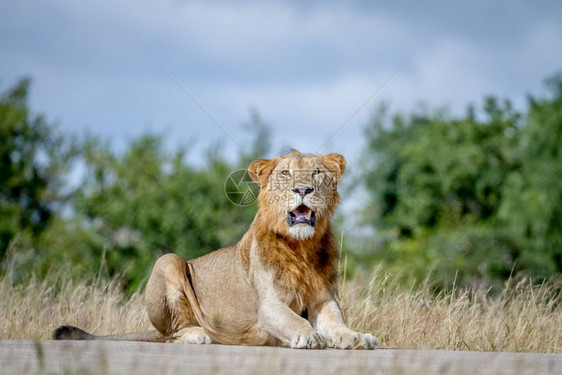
[{"x": 276, "y": 286}]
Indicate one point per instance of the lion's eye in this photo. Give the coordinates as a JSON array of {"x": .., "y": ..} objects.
[
  {"x": 285, "y": 172},
  {"x": 316, "y": 172}
]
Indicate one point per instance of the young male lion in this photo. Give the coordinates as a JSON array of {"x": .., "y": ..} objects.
[{"x": 276, "y": 286}]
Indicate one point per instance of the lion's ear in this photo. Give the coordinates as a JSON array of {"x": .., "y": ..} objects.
[
  {"x": 260, "y": 170},
  {"x": 335, "y": 163}
]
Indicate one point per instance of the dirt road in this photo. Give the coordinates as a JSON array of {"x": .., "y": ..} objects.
[{"x": 79, "y": 357}]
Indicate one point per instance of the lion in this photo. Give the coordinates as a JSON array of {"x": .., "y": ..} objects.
[{"x": 276, "y": 286}]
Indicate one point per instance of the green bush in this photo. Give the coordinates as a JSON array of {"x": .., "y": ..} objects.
[{"x": 471, "y": 197}]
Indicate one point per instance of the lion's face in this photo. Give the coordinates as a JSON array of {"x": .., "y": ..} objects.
[{"x": 298, "y": 191}]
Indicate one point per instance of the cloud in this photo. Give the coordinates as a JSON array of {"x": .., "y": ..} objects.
[{"x": 305, "y": 67}]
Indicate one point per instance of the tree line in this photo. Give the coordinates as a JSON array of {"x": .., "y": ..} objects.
[{"x": 474, "y": 198}]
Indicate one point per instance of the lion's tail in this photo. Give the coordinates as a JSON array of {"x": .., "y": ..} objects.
[{"x": 74, "y": 333}]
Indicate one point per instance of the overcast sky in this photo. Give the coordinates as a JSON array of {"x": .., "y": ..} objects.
[{"x": 305, "y": 67}]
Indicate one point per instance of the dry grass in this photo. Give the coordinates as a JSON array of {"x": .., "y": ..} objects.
[
  {"x": 32, "y": 310},
  {"x": 522, "y": 318}
]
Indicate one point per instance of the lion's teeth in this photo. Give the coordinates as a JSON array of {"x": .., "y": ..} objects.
[{"x": 309, "y": 214}]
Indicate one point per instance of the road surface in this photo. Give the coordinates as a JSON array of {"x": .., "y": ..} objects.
[{"x": 104, "y": 357}]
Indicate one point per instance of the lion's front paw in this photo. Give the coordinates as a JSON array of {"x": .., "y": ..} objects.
[
  {"x": 353, "y": 340},
  {"x": 308, "y": 341},
  {"x": 367, "y": 341}
]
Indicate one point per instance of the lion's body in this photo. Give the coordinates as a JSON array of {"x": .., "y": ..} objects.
[{"x": 277, "y": 285}]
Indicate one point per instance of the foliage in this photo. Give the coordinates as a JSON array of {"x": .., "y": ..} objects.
[
  {"x": 126, "y": 208},
  {"x": 147, "y": 202},
  {"x": 135, "y": 206},
  {"x": 34, "y": 161},
  {"x": 471, "y": 197},
  {"x": 533, "y": 204}
]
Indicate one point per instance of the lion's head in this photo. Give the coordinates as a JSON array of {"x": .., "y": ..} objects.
[{"x": 298, "y": 192}]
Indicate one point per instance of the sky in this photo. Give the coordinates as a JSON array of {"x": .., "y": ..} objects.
[{"x": 120, "y": 69}]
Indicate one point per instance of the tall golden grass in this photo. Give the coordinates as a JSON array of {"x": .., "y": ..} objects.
[{"x": 521, "y": 318}]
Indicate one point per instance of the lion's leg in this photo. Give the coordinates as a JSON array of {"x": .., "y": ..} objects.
[
  {"x": 166, "y": 303},
  {"x": 276, "y": 318},
  {"x": 327, "y": 319}
]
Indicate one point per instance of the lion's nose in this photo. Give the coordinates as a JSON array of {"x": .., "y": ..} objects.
[{"x": 303, "y": 190}]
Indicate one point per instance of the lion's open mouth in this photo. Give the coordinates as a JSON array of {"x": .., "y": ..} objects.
[{"x": 301, "y": 215}]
